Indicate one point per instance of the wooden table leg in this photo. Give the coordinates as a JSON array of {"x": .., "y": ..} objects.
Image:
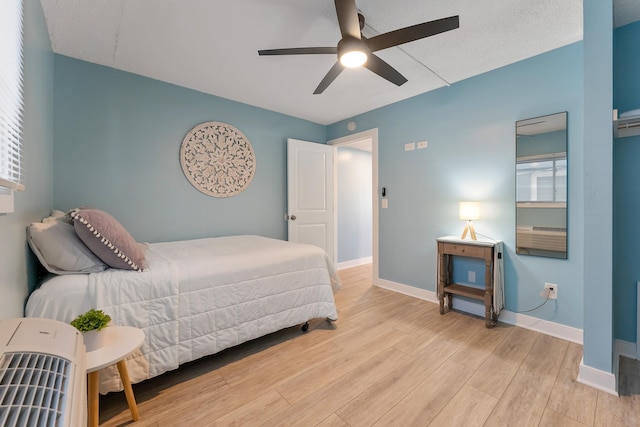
[
  {"x": 441, "y": 280},
  {"x": 128, "y": 391},
  {"x": 488, "y": 293},
  {"x": 92, "y": 389}
]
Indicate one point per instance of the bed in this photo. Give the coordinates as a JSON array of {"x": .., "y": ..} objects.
[{"x": 197, "y": 297}]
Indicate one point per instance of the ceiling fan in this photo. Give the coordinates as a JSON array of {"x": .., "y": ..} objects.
[{"x": 354, "y": 49}]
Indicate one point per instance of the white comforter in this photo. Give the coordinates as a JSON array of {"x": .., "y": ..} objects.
[{"x": 199, "y": 297}]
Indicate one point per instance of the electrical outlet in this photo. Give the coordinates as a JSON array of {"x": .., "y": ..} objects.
[
  {"x": 553, "y": 290},
  {"x": 421, "y": 144},
  {"x": 471, "y": 276},
  {"x": 409, "y": 146}
]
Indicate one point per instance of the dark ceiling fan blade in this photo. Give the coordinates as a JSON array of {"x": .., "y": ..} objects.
[
  {"x": 329, "y": 77},
  {"x": 415, "y": 32},
  {"x": 384, "y": 70},
  {"x": 299, "y": 51},
  {"x": 348, "y": 18}
]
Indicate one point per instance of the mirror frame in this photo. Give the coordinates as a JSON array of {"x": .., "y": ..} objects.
[{"x": 541, "y": 229}]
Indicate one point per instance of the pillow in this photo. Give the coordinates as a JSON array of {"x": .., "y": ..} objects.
[
  {"x": 630, "y": 113},
  {"x": 59, "y": 249},
  {"x": 107, "y": 239},
  {"x": 55, "y": 216}
]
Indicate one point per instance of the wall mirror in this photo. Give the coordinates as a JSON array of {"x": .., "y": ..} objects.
[{"x": 541, "y": 186}]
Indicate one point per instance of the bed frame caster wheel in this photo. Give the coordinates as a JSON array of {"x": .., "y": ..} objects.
[{"x": 305, "y": 327}]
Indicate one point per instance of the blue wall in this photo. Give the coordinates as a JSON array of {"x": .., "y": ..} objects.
[
  {"x": 626, "y": 179},
  {"x": 354, "y": 204},
  {"x": 18, "y": 267},
  {"x": 598, "y": 184},
  {"x": 470, "y": 127},
  {"x": 117, "y": 143}
]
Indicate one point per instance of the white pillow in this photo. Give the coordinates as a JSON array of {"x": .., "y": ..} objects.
[
  {"x": 630, "y": 113},
  {"x": 57, "y": 215},
  {"x": 59, "y": 249}
]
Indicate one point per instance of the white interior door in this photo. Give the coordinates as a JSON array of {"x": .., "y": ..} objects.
[{"x": 311, "y": 195}]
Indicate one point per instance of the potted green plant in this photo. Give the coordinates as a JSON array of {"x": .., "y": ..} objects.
[{"x": 91, "y": 325}]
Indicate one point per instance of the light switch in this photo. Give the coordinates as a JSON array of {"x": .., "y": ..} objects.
[{"x": 421, "y": 145}]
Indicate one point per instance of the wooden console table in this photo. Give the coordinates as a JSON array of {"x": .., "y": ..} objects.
[{"x": 487, "y": 250}]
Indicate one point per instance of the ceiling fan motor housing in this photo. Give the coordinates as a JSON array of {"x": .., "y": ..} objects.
[{"x": 355, "y": 47}]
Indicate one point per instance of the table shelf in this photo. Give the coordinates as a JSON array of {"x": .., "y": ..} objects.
[
  {"x": 448, "y": 248},
  {"x": 465, "y": 291}
]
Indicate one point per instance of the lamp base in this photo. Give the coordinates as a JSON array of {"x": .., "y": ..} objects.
[{"x": 469, "y": 229}]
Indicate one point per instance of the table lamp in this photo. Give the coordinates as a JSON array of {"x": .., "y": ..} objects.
[{"x": 469, "y": 211}]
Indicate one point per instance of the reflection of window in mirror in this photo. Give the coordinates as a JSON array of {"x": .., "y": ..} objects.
[
  {"x": 541, "y": 186},
  {"x": 542, "y": 178}
]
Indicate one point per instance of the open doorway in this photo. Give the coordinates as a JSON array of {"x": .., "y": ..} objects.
[{"x": 357, "y": 200}]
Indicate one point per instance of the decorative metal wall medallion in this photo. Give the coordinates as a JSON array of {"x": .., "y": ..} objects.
[{"x": 217, "y": 159}]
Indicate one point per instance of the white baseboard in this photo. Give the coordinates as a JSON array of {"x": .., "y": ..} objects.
[
  {"x": 354, "y": 262},
  {"x": 601, "y": 380},
  {"x": 557, "y": 330},
  {"x": 626, "y": 349},
  {"x": 528, "y": 322},
  {"x": 411, "y": 291}
]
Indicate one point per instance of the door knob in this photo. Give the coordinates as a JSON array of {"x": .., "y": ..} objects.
[{"x": 292, "y": 217}]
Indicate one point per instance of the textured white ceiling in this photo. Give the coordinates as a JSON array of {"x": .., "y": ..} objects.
[
  {"x": 211, "y": 45},
  {"x": 625, "y": 12}
]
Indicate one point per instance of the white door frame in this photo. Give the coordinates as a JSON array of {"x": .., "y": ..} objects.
[{"x": 345, "y": 141}]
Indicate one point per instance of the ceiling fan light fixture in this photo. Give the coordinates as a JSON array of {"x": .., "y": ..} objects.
[
  {"x": 353, "y": 58},
  {"x": 352, "y": 52}
]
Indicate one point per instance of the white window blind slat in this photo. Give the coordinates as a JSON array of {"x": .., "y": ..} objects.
[{"x": 11, "y": 96}]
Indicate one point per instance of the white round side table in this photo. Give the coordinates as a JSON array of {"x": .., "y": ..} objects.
[{"x": 120, "y": 342}]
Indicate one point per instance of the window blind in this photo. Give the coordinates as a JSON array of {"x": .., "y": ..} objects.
[{"x": 11, "y": 102}]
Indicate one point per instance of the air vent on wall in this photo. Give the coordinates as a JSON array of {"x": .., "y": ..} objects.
[
  {"x": 628, "y": 124},
  {"x": 542, "y": 238}
]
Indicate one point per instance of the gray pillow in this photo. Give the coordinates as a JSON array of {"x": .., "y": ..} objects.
[
  {"x": 107, "y": 239},
  {"x": 59, "y": 249}
]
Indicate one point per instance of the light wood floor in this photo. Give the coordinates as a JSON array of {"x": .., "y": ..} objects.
[{"x": 390, "y": 360}]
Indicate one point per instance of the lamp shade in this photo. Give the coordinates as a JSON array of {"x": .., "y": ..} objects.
[{"x": 470, "y": 210}]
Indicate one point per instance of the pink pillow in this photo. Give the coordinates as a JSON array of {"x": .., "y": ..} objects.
[{"x": 107, "y": 239}]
